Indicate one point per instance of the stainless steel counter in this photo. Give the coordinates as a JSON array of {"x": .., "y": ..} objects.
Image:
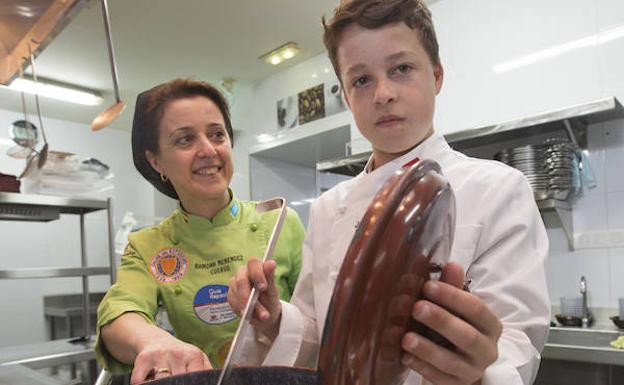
[
  {"x": 583, "y": 345},
  {"x": 47, "y": 354}
]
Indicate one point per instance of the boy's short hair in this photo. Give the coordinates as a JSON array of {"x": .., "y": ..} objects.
[{"x": 372, "y": 14}]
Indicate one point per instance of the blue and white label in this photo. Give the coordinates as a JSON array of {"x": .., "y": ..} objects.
[{"x": 211, "y": 306}]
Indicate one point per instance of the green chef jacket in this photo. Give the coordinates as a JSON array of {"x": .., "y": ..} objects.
[{"x": 185, "y": 262}]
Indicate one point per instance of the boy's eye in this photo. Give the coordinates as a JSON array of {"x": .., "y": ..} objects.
[
  {"x": 360, "y": 82},
  {"x": 403, "y": 68}
]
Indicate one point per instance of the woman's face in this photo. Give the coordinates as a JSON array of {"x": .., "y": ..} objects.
[{"x": 194, "y": 151}]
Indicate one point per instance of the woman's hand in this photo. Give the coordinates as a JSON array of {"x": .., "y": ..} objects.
[
  {"x": 165, "y": 357},
  {"x": 154, "y": 352},
  {"x": 268, "y": 309},
  {"x": 464, "y": 320}
]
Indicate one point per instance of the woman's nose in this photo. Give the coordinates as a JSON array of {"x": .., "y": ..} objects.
[{"x": 206, "y": 148}]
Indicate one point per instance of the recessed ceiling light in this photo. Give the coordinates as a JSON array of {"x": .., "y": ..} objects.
[{"x": 281, "y": 53}]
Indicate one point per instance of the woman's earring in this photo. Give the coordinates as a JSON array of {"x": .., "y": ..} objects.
[{"x": 164, "y": 178}]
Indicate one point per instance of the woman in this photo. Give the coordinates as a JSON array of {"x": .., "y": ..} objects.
[{"x": 182, "y": 144}]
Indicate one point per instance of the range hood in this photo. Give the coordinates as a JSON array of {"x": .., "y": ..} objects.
[
  {"x": 500, "y": 136},
  {"x": 33, "y": 23}
]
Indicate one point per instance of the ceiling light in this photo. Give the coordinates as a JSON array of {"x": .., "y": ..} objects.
[
  {"x": 588, "y": 41},
  {"x": 65, "y": 93},
  {"x": 265, "y": 138},
  {"x": 281, "y": 53}
]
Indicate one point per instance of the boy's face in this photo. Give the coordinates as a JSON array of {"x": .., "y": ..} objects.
[{"x": 390, "y": 85}]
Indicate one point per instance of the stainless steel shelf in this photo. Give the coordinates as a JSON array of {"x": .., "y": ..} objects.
[
  {"x": 28, "y": 207},
  {"x": 46, "y": 354},
  {"x": 350, "y": 165},
  {"x": 52, "y": 272}
]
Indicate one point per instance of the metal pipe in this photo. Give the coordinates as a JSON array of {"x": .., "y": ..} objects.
[
  {"x": 86, "y": 317},
  {"x": 111, "y": 243}
]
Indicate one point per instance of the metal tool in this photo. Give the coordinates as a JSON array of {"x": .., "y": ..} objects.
[
  {"x": 239, "y": 337},
  {"x": 107, "y": 116},
  {"x": 43, "y": 153}
]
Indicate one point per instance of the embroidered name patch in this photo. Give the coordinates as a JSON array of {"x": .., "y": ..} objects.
[
  {"x": 169, "y": 265},
  {"x": 211, "y": 306}
]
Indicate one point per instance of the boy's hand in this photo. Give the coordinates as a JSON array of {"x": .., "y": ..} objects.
[
  {"x": 268, "y": 309},
  {"x": 464, "y": 320}
]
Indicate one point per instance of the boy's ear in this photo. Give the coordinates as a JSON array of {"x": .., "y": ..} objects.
[
  {"x": 438, "y": 74},
  {"x": 153, "y": 161}
]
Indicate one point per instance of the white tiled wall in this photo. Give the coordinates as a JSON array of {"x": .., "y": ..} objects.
[{"x": 599, "y": 209}]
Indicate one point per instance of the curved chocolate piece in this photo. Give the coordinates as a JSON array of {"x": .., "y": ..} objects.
[{"x": 409, "y": 223}]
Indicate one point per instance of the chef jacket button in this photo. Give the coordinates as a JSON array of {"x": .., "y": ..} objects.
[
  {"x": 253, "y": 227},
  {"x": 178, "y": 289}
]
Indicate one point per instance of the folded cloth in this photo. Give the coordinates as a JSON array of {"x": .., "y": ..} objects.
[
  {"x": 9, "y": 183},
  {"x": 618, "y": 343}
]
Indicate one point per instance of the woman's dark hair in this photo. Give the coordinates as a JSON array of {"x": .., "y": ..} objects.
[{"x": 148, "y": 112}]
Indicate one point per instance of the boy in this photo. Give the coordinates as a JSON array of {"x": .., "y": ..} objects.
[{"x": 385, "y": 54}]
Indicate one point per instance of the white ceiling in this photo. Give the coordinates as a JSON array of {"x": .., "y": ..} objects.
[{"x": 158, "y": 40}]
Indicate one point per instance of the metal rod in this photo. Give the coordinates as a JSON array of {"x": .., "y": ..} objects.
[
  {"x": 34, "y": 73},
  {"x": 111, "y": 51},
  {"x": 86, "y": 321},
  {"x": 111, "y": 243},
  {"x": 571, "y": 135}
]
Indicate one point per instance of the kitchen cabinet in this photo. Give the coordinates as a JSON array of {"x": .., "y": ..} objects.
[{"x": 40, "y": 208}]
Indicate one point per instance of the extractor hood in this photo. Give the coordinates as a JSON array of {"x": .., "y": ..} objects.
[
  {"x": 578, "y": 117},
  {"x": 30, "y": 24}
]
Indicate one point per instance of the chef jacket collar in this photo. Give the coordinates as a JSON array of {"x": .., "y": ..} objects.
[
  {"x": 425, "y": 150},
  {"x": 223, "y": 217}
]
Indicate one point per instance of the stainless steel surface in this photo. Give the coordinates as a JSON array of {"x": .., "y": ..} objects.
[
  {"x": 46, "y": 354},
  {"x": 52, "y": 272},
  {"x": 583, "y": 345},
  {"x": 578, "y": 116},
  {"x": 111, "y": 243},
  {"x": 21, "y": 375},
  {"x": 41, "y": 20},
  {"x": 587, "y": 113},
  {"x": 585, "y": 311},
  {"x": 104, "y": 378},
  {"x": 65, "y": 205},
  {"x": 245, "y": 320},
  {"x": 86, "y": 315}
]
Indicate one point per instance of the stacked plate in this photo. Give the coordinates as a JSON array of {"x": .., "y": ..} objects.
[
  {"x": 530, "y": 160},
  {"x": 547, "y": 167}
]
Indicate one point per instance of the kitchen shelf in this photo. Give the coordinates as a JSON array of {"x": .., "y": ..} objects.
[
  {"x": 53, "y": 272},
  {"x": 43, "y": 208}
]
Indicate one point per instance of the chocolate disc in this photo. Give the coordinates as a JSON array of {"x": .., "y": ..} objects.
[{"x": 409, "y": 224}]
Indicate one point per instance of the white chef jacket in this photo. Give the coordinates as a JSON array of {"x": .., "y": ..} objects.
[{"x": 499, "y": 239}]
